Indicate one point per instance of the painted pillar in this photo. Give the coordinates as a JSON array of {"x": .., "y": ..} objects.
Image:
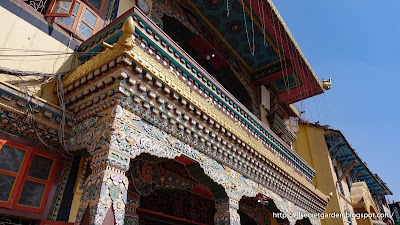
[
  {"x": 227, "y": 212},
  {"x": 105, "y": 191},
  {"x": 133, "y": 202}
]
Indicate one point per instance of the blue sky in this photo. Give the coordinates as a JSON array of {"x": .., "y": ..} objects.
[{"x": 356, "y": 43}]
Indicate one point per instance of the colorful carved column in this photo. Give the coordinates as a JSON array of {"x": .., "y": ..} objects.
[
  {"x": 105, "y": 191},
  {"x": 133, "y": 201},
  {"x": 227, "y": 212}
]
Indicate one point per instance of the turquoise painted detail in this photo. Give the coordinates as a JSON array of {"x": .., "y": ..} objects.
[
  {"x": 289, "y": 81},
  {"x": 239, "y": 31}
]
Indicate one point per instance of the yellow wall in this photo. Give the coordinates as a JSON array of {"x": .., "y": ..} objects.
[
  {"x": 16, "y": 33},
  {"x": 124, "y": 5},
  {"x": 311, "y": 146},
  {"x": 263, "y": 115},
  {"x": 365, "y": 221},
  {"x": 77, "y": 192}
]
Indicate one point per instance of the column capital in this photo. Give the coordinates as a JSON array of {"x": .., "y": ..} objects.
[{"x": 110, "y": 159}]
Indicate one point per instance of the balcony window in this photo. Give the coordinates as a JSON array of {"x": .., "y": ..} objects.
[
  {"x": 61, "y": 8},
  {"x": 82, "y": 21},
  {"x": 69, "y": 21},
  {"x": 25, "y": 176},
  {"x": 292, "y": 124},
  {"x": 88, "y": 24}
]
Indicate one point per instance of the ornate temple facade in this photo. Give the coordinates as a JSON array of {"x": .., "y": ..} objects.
[{"x": 160, "y": 112}]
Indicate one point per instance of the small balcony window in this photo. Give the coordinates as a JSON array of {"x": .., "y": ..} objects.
[
  {"x": 88, "y": 24},
  {"x": 61, "y": 8},
  {"x": 292, "y": 124},
  {"x": 82, "y": 21}
]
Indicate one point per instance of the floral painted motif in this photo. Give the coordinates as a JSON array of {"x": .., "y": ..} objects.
[
  {"x": 103, "y": 190},
  {"x": 147, "y": 177}
]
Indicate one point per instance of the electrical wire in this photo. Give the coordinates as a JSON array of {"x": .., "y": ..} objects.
[
  {"x": 25, "y": 73},
  {"x": 29, "y": 60},
  {"x": 282, "y": 59},
  {"x": 247, "y": 32},
  {"x": 30, "y": 114},
  {"x": 58, "y": 54}
]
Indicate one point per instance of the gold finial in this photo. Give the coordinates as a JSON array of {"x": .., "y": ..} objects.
[
  {"x": 129, "y": 26},
  {"x": 129, "y": 29}
]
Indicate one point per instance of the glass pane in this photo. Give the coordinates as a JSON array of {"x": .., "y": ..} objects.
[
  {"x": 295, "y": 129},
  {"x": 76, "y": 6},
  {"x": 11, "y": 158},
  {"x": 32, "y": 194},
  {"x": 287, "y": 122},
  {"x": 66, "y": 4},
  {"x": 61, "y": 7},
  {"x": 67, "y": 21},
  {"x": 85, "y": 31},
  {"x": 6, "y": 184},
  {"x": 293, "y": 122},
  {"x": 89, "y": 18},
  {"x": 64, "y": 7},
  {"x": 40, "y": 168},
  {"x": 96, "y": 3}
]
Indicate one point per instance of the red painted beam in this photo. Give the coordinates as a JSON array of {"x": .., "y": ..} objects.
[
  {"x": 52, "y": 222},
  {"x": 205, "y": 50},
  {"x": 272, "y": 77},
  {"x": 297, "y": 94},
  {"x": 288, "y": 48},
  {"x": 202, "y": 192},
  {"x": 184, "y": 160},
  {"x": 168, "y": 216}
]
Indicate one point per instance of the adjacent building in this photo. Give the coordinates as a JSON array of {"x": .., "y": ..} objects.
[
  {"x": 355, "y": 190},
  {"x": 395, "y": 210}
]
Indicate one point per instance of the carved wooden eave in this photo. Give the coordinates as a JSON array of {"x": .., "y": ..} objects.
[
  {"x": 361, "y": 198},
  {"x": 192, "y": 106},
  {"x": 44, "y": 121}
]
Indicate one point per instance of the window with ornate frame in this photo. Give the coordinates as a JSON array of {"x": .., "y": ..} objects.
[{"x": 26, "y": 175}]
